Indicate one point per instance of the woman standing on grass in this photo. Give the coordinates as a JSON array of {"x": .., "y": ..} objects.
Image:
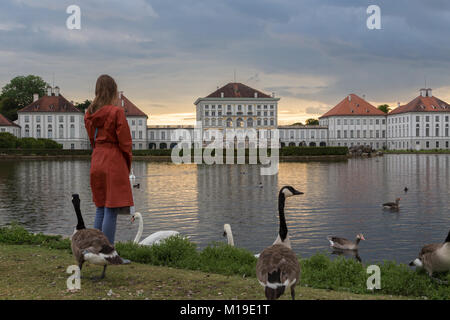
[{"x": 108, "y": 131}]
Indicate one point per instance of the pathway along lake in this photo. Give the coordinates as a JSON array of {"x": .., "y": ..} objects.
[{"x": 341, "y": 198}]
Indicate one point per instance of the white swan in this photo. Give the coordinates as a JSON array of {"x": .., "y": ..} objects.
[
  {"x": 154, "y": 238},
  {"x": 227, "y": 232},
  {"x": 132, "y": 176}
]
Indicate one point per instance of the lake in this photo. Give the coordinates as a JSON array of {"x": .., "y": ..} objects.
[{"x": 341, "y": 198}]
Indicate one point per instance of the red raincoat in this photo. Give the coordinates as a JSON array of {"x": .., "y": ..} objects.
[{"x": 111, "y": 157}]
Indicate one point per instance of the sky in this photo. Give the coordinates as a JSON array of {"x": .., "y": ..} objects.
[{"x": 164, "y": 54}]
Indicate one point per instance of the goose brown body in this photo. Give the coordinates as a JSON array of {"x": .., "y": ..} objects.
[
  {"x": 94, "y": 242},
  {"x": 278, "y": 268},
  {"x": 344, "y": 244},
  {"x": 434, "y": 257},
  {"x": 92, "y": 245}
]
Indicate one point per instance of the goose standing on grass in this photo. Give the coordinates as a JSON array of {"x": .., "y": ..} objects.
[
  {"x": 278, "y": 268},
  {"x": 392, "y": 205},
  {"x": 92, "y": 245},
  {"x": 227, "y": 233},
  {"x": 344, "y": 244},
  {"x": 154, "y": 238},
  {"x": 434, "y": 257}
]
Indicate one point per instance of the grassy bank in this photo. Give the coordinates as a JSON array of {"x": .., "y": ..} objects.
[
  {"x": 33, "y": 272},
  {"x": 319, "y": 272}
]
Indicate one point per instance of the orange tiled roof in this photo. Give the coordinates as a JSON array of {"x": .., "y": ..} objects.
[
  {"x": 130, "y": 108},
  {"x": 353, "y": 105},
  {"x": 423, "y": 104},
  {"x": 237, "y": 90},
  {"x": 5, "y": 122},
  {"x": 50, "y": 104}
]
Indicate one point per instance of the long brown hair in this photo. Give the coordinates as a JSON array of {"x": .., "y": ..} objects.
[{"x": 105, "y": 93}]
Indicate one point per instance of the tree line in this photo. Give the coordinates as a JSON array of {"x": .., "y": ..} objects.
[{"x": 18, "y": 93}]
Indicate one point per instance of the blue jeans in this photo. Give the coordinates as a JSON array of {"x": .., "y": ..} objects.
[{"x": 105, "y": 221}]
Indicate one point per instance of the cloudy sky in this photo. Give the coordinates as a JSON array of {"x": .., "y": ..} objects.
[{"x": 164, "y": 54}]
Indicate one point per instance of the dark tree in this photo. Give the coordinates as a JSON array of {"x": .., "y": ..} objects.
[
  {"x": 385, "y": 108},
  {"x": 82, "y": 106},
  {"x": 8, "y": 108},
  {"x": 312, "y": 122},
  {"x": 21, "y": 90}
]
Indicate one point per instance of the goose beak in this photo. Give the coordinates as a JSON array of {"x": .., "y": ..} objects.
[
  {"x": 133, "y": 218},
  {"x": 362, "y": 237},
  {"x": 296, "y": 192}
]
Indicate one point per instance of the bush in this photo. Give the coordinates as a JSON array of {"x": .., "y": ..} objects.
[
  {"x": 50, "y": 144},
  {"x": 7, "y": 140},
  {"x": 16, "y": 234},
  {"x": 313, "y": 151}
]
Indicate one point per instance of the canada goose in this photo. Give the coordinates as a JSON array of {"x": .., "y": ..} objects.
[
  {"x": 154, "y": 238},
  {"x": 278, "y": 268},
  {"x": 92, "y": 245},
  {"x": 434, "y": 257},
  {"x": 392, "y": 205},
  {"x": 132, "y": 176},
  {"x": 227, "y": 233},
  {"x": 344, "y": 244},
  {"x": 137, "y": 186}
]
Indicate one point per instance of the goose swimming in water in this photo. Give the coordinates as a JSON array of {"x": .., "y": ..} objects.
[
  {"x": 92, "y": 245},
  {"x": 392, "y": 205},
  {"x": 344, "y": 244},
  {"x": 434, "y": 257},
  {"x": 277, "y": 268},
  {"x": 154, "y": 238}
]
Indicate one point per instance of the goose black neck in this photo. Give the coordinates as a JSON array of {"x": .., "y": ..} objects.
[
  {"x": 283, "y": 227},
  {"x": 448, "y": 237},
  {"x": 76, "y": 206}
]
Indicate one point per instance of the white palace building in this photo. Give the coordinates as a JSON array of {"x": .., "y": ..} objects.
[{"x": 422, "y": 123}]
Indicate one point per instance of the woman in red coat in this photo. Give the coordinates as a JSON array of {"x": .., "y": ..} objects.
[{"x": 108, "y": 131}]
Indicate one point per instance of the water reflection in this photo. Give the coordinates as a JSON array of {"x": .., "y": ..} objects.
[{"x": 341, "y": 198}]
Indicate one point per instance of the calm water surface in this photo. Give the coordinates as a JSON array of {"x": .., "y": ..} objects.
[{"x": 341, "y": 198}]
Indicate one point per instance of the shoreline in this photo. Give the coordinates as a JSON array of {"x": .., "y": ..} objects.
[{"x": 167, "y": 158}]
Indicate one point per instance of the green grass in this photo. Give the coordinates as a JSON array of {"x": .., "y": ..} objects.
[
  {"x": 35, "y": 272},
  {"x": 319, "y": 271}
]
